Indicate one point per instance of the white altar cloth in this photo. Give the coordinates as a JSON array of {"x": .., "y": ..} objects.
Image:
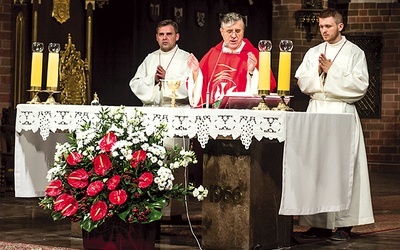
[
  {"x": 318, "y": 165},
  {"x": 34, "y": 151}
]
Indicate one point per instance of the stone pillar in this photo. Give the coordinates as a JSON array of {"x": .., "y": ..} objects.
[{"x": 241, "y": 211}]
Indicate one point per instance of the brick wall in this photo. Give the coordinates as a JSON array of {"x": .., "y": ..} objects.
[
  {"x": 5, "y": 54},
  {"x": 382, "y": 136}
]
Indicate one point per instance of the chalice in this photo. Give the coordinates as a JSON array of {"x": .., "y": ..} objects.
[{"x": 172, "y": 85}]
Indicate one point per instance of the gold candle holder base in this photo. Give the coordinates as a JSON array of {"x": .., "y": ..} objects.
[
  {"x": 262, "y": 105},
  {"x": 50, "y": 99},
  {"x": 35, "y": 96},
  {"x": 282, "y": 106}
]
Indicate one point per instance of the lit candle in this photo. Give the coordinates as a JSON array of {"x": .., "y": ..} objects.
[
  {"x": 52, "y": 66},
  {"x": 265, "y": 70},
  {"x": 36, "y": 69},
  {"x": 264, "y": 67},
  {"x": 285, "y": 56}
]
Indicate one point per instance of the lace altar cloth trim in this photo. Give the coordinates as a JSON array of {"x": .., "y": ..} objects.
[{"x": 181, "y": 122}]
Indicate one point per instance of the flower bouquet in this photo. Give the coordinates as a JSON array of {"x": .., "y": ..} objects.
[{"x": 116, "y": 166}]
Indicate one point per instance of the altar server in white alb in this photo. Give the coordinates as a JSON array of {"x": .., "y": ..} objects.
[
  {"x": 167, "y": 63},
  {"x": 335, "y": 75}
]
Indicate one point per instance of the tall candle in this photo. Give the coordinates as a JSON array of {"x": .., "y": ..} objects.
[
  {"x": 36, "y": 70},
  {"x": 264, "y": 66},
  {"x": 52, "y": 71},
  {"x": 284, "y": 73}
]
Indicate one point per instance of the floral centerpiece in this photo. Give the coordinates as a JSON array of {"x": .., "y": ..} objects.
[{"x": 116, "y": 165}]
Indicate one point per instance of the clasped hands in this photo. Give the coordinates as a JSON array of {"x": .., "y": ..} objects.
[
  {"x": 324, "y": 64},
  {"x": 160, "y": 74}
]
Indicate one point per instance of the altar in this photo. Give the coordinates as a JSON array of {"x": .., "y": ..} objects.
[
  {"x": 39, "y": 127},
  {"x": 259, "y": 166}
]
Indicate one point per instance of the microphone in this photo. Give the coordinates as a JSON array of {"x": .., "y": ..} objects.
[{"x": 224, "y": 45}]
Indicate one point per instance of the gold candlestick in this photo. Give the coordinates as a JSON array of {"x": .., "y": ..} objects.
[
  {"x": 50, "y": 99},
  {"x": 34, "y": 95},
  {"x": 282, "y": 106},
  {"x": 263, "y": 104}
]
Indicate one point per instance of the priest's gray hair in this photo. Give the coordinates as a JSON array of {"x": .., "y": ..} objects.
[{"x": 230, "y": 18}]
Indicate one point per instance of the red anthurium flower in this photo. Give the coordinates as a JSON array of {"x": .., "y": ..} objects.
[
  {"x": 94, "y": 188},
  {"x": 137, "y": 157},
  {"x": 101, "y": 164},
  {"x": 108, "y": 141},
  {"x": 54, "y": 188},
  {"x": 74, "y": 158},
  {"x": 117, "y": 197},
  {"x": 145, "y": 180},
  {"x": 113, "y": 182},
  {"x": 67, "y": 204},
  {"x": 98, "y": 210},
  {"x": 78, "y": 178}
]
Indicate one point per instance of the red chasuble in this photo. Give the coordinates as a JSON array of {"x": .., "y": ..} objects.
[{"x": 226, "y": 72}]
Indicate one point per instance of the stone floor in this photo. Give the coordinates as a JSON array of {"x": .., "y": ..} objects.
[{"x": 21, "y": 220}]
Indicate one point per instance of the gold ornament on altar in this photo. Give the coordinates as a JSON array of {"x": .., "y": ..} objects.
[
  {"x": 95, "y": 101},
  {"x": 73, "y": 84}
]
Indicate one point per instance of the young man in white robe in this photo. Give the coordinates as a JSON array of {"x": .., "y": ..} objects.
[
  {"x": 335, "y": 75},
  {"x": 169, "y": 62}
]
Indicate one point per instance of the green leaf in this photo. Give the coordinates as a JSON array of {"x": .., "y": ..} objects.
[
  {"x": 159, "y": 203},
  {"x": 88, "y": 225},
  {"x": 154, "y": 215},
  {"x": 57, "y": 216},
  {"x": 125, "y": 213}
]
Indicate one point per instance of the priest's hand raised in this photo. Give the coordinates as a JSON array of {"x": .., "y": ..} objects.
[
  {"x": 193, "y": 64},
  {"x": 251, "y": 62}
]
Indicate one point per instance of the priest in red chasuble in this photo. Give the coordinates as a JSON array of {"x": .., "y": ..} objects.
[{"x": 230, "y": 66}]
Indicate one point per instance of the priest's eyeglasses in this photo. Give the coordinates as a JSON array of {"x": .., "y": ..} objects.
[{"x": 231, "y": 31}]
